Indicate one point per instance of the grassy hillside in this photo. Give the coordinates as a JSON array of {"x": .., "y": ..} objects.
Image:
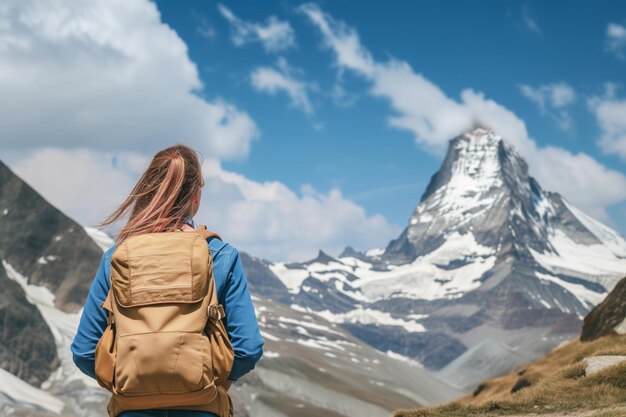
[{"x": 555, "y": 383}]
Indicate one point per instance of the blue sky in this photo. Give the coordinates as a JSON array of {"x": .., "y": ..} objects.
[
  {"x": 457, "y": 45},
  {"x": 321, "y": 123}
]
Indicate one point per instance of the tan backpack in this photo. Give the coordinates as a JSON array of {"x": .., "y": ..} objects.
[{"x": 165, "y": 345}]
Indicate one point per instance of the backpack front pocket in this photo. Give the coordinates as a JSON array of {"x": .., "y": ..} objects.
[
  {"x": 105, "y": 358},
  {"x": 160, "y": 363}
]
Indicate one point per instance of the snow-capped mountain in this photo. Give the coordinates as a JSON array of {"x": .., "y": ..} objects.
[
  {"x": 491, "y": 271},
  {"x": 310, "y": 367}
]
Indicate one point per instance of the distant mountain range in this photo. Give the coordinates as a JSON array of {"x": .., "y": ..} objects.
[{"x": 490, "y": 273}]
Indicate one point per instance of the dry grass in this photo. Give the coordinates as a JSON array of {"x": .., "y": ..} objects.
[
  {"x": 555, "y": 383},
  {"x": 613, "y": 413}
]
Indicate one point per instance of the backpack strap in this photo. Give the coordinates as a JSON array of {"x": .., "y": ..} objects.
[
  {"x": 207, "y": 233},
  {"x": 216, "y": 311}
]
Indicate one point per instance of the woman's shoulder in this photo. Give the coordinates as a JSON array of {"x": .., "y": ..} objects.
[
  {"x": 220, "y": 248},
  {"x": 225, "y": 257}
]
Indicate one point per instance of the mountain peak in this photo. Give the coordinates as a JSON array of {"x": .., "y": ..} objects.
[
  {"x": 480, "y": 136},
  {"x": 473, "y": 165},
  {"x": 483, "y": 188}
]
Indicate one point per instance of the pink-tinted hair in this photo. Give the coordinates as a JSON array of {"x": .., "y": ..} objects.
[{"x": 163, "y": 195}]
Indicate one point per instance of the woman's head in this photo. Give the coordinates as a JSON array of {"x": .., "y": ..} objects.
[{"x": 165, "y": 193}]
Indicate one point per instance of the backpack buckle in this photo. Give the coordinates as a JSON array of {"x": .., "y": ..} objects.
[{"x": 216, "y": 311}]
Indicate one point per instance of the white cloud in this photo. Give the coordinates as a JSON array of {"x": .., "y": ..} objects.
[
  {"x": 615, "y": 41},
  {"x": 581, "y": 179},
  {"x": 552, "y": 100},
  {"x": 341, "y": 97},
  {"x": 109, "y": 75},
  {"x": 275, "y": 35},
  {"x": 268, "y": 219},
  {"x": 529, "y": 22},
  {"x": 90, "y": 88},
  {"x": 265, "y": 219},
  {"x": 85, "y": 184},
  {"x": 610, "y": 113},
  {"x": 422, "y": 108},
  {"x": 282, "y": 79},
  {"x": 206, "y": 29}
]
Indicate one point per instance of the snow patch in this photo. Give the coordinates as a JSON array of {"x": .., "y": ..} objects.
[
  {"x": 62, "y": 325},
  {"x": 424, "y": 279},
  {"x": 375, "y": 252},
  {"x": 369, "y": 316},
  {"x": 44, "y": 260},
  {"x": 104, "y": 241},
  {"x": 613, "y": 240},
  {"x": 22, "y": 392},
  {"x": 322, "y": 344},
  {"x": 595, "y": 263},
  {"x": 309, "y": 325},
  {"x": 399, "y": 357},
  {"x": 291, "y": 277},
  {"x": 586, "y": 296}
]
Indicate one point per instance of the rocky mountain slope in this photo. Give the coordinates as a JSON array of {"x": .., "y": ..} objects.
[
  {"x": 608, "y": 317},
  {"x": 311, "y": 367},
  {"x": 42, "y": 243},
  {"x": 39, "y": 242},
  {"x": 23, "y": 332}
]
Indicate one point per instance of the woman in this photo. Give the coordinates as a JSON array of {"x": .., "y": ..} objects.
[{"x": 165, "y": 199}]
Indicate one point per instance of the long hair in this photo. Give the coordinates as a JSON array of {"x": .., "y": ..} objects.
[{"x": 163, "y": 195}]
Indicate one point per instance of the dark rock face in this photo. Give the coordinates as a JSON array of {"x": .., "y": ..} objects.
[
  {"x": 27, "y": 347},
  {"x": 43, "y": 244},
  {"x": 353, "y": 253},
  {"x": 262, "y": 280},
  {"x": 433, "y": 349},
  {"x": 607, "y": 315},
  {"x": 322, "y": 258},
  {"x": 321, "y": 296}
]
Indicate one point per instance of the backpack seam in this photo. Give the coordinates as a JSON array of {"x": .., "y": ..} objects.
[
  {"x": 193, "y": 245},
  {"x": 180, "y": 348},
  {"x": 130, "y": 274}
]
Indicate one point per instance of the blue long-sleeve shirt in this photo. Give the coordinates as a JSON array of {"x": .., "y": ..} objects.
[{"x": 232, "y": 292}]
